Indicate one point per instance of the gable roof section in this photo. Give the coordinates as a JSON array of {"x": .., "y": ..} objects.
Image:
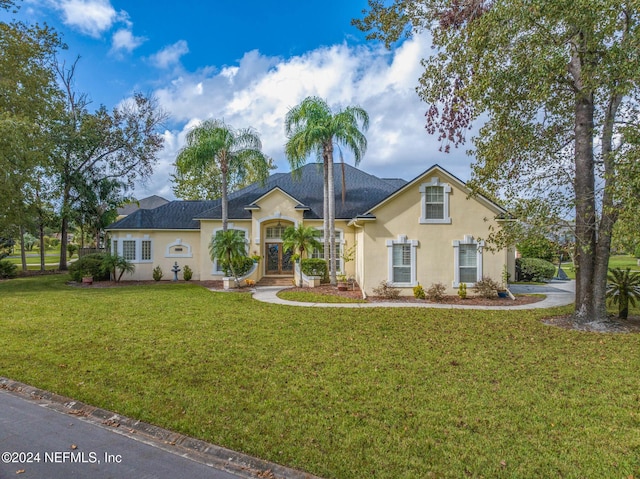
[
  {"x": 306, "y": 188},
  {"x": 499, "y": 210}
]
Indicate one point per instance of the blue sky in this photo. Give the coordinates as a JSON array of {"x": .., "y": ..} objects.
[{"x": 248, "y": 63}]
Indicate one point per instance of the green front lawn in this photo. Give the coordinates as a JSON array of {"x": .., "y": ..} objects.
[
  {"x": 341, "y": 393},
  {"x": 618, "y": 261}
]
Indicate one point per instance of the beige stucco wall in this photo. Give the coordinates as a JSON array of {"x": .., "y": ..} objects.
[
  {"x": 164, "y": 252},
  {"x": 434, "y": 252}
]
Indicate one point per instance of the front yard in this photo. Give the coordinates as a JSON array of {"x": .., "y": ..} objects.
[{"x": 384, "y": 393}]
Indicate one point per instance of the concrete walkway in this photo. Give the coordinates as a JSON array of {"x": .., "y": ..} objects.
[{"x": 558, "y": 293}]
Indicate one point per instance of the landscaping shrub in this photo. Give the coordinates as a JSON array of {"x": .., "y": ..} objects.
[
  {"x": 623, "y": 289},
  {"x": 534, "y": 269},
  {"x": 241, "y": 266},
  {"x": 157, "y": 273},
  {"x": 636, "y": 253},
  {"x": 462, "y": 290},
  {"x": 386, "y": 290},
  {"x": 72, "y": 249},
  {"x": 436, "y": 292},
  {"x": 8, "y": 270},
  {"x": 487, "y": 287},
  {"x": 89, "y": 265},
  {"x": 418, "y": 292},
  {"x": 315, "y": 267},
  {"x": 187, "y": 274}
]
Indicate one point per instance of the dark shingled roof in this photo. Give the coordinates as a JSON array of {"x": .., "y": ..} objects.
[
  {"x": 173, "y": 215},
  {"x": 148, "y": 203},
  {"x": 363, "y": 191}
]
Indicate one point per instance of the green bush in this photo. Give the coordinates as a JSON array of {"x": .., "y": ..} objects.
[
  {"x": 241, "y": 266},
  {"x": 187, "y": 274},
  {"x": 462, "y": 290},
  {"x": 534, "y": 269},
  {"x": 157, "y": 273},
  {"x": 8, "y": 270},
  {"x": 315, "y": 267},
  {"x": 89, "y": 265},
  {"x": 72, "y": 249},
  {"x": 636, "y": 253},
  {"x": 418, "y": 292}
]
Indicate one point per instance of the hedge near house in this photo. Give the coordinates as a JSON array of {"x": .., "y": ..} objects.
[{"x": 534, "y": 269}]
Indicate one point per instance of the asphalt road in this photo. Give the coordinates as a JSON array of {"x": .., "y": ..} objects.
[{"x": 39, "y": 442}]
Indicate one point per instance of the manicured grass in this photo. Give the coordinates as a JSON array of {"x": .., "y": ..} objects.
[
  {"x": 312, "y": 297},
  {"x": 618, "y": 261},
  {"x": 384, "y": 393}
]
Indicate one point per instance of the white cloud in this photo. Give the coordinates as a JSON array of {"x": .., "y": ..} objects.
[
  {"x": 92, "y": 17},
  {"x": 124, "y": 40},
  {"x": 258, "y": 91},
  {"x": 170, "y": 55}
]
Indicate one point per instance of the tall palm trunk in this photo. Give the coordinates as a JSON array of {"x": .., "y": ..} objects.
[
  {"x": 224, "y": 170},
  {"x": 325, "y": 212},
  {"x": 332, "y": 213}
]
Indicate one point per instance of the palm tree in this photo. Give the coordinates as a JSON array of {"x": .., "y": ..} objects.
[
  {"x": 228, "y": 246},
  {"x": 234, "y": 152},
  {"x": 112, "y": 263},
  {"x": 312, "y": 127},
  {"x": 623, "y": 289},
  {"x": 303, "y": 239}
]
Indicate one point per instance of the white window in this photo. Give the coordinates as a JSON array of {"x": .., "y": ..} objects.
[
  {"x": 217, "y": 267},
  {"x": 319, "y": 253},
  {"x": 435, "y": 202},
  {"x": 135, "y": 250},
  {"x": 467, "y": 261},
  {"x": 146, "y": 250},
  {"x": 402, "y": 261},
  {"x": 275, "y": 232},
  {"x": 129, "y": 250}
]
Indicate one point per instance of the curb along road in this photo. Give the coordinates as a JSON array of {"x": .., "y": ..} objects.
[{"x": 44, "y": 435}]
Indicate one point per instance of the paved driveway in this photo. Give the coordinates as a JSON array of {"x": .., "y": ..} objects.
[{"x": 59, "y": 438}]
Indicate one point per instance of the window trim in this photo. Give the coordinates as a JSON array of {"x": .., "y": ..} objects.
[
  {"x": 340, "y": 242},
  {"x": 118, "y": 247},
  {"x": 468, "y": 239},
  {"x": 446, "y": 192},
  {"x": 402, "y": 240}
]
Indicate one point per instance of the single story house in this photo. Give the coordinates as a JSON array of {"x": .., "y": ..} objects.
[{"x": 424, "y": 231}]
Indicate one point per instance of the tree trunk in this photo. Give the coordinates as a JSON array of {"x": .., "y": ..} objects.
[
  {"x": 224, "y": 169},
  {"x": 325, "y": 214},
  {"x": 585, "y": 230},
  {"x": 42, "y": 247},
  {"x": 23, "y": 254},
  {"x": 609, "y": 214},
  {"x": 332, "y": 215},
  {"x": 63, "y": 242}
]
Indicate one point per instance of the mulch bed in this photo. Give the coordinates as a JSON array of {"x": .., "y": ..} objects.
[{"x": 326, "y": 289}]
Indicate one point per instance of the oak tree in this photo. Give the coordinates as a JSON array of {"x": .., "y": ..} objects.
[{"x": 554, "y": 87}]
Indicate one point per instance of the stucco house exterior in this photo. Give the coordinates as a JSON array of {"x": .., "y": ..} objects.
[{"x": 423, "y": 231}]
